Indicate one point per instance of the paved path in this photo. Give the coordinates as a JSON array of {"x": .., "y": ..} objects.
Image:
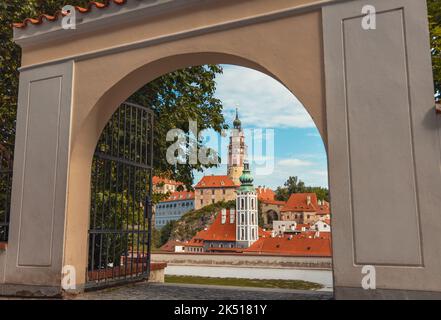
[{"x": 154, "y": 291}]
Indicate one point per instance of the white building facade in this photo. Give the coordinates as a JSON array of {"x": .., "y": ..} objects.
[{"x": 247, "y": 225}]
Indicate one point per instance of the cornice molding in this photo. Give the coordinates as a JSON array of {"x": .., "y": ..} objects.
[
  {"x": 99, "y": 19},
  {"x": 168, "y": 6}
]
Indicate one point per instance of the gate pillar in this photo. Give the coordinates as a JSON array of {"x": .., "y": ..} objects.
[
  {"x": 384, "y": 151},
  {"x": 34, "y": 258}
]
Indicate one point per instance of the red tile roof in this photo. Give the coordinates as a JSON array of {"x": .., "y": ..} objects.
[
  {"x": 170, "y": 245},
  {"x": 265, "y": 194},
  {"x": 159, "y": 180},
  {"x": 215, "y": 182},
  {"x": 235, "y": 250},
  {"x": 297, "y": 246},
  {"x": 298, "y": 202},
  {"x": 194, "y": 244},
  {"x": 56, "y": 16},
  {"x": 180, "y": 195},
  {"x": 219, "y": 231},
  {"x": 300, "y": 226},
  {"x": 274, "y": 202}
]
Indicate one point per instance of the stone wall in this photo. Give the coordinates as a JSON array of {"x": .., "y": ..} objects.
[{"x": 220, "y": 259}]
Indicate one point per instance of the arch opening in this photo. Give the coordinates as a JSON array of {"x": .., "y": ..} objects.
[{"x": 271, "y": 215}]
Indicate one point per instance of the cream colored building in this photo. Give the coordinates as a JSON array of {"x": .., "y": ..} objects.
[
  {"x": 164, "y": 185},
  {"x": 212, "y": 189}
]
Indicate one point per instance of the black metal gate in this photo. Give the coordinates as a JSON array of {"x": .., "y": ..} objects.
[
  {"x": 121, "y": 211},
  {"x": 5, "y": 191}
]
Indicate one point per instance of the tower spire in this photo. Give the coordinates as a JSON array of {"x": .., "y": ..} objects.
[{"x": 237, "y": 123}]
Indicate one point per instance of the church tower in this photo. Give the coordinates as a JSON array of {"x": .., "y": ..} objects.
[
  {"x": 236, "y": 151},
  {"x": 247, "y": 226}
]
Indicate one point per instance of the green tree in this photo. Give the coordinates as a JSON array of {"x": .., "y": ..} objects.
[
  {"x": 295, "y": 185},
  {"x": 434, "y": 7},
  {"x": 166, "y": 232}
]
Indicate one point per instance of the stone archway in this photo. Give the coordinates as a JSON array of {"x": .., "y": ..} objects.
[
  {"x": 270, "y": 216},
  {"x": 376, "y": 78}
]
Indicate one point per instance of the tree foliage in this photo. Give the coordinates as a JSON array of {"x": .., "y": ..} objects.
[
  {"x": 295, "y": 185},
  {"x": 434, "y": 8}
]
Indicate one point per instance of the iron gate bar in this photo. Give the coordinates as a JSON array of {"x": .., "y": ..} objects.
[{"x": 121, "y": 193}]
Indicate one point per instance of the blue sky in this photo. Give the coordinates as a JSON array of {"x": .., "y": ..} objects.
[{"x": 265, "y": 103}]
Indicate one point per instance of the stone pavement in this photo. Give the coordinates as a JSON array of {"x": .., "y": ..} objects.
[{"x": 157, "y": 291}]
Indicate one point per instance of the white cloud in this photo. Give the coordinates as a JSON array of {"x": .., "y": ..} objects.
[
  {"x": 262, "y": 101},
  {"x": 293, "y": 163}
]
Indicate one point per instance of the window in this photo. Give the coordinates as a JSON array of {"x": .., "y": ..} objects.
[
  {"x": 224, "y": 191},
  {"x": 212, "y": 201},
  {"x": 202, "y": 192},
  {"x": 212, "y": 192}
]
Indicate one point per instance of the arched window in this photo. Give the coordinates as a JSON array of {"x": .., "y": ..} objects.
[
  {"x": 242, "y": 203},
  {"x": 242, "y": 234},
  {"x": 253, "y": 233}
]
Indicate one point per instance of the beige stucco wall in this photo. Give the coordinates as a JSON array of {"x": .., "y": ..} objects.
[
  {"x": 299, "y": 46},
  {"x": 102, "y": 81},
  {"x": 207, "y": 197}
]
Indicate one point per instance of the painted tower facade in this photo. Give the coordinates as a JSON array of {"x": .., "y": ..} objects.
[
  {"x": 247, "y": 226},
  {"x": 237, "y": 151}
]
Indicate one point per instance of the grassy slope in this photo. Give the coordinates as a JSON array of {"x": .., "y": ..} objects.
[{"x": 257, "y": 283}]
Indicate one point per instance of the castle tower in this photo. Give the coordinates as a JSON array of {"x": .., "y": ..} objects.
[
  {"x": 236, "y": 151},
  {"x": 247, "y": 226}
]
